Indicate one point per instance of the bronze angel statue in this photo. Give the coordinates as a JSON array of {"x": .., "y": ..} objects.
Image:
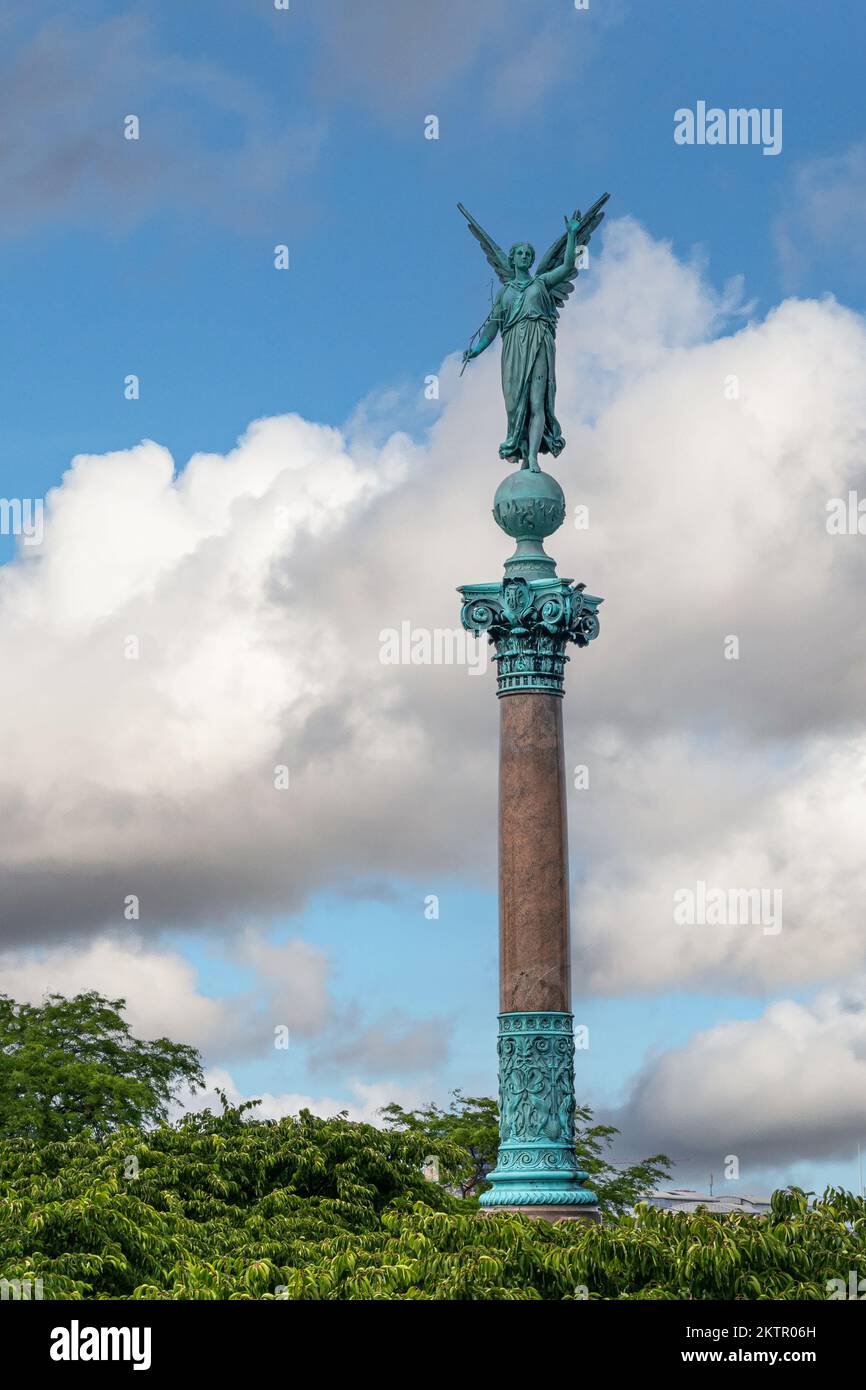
[{"x": 526, "y": 312}]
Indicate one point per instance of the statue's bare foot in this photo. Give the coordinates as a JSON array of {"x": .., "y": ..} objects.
[{"x": 533, "y": 466}]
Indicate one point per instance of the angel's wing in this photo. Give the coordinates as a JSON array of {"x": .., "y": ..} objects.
[
  {"x": 553, "y": 258},
  {"x": 495, "y": 255}
]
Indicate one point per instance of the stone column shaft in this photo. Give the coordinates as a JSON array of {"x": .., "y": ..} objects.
[{"x": 534, "y": 963}]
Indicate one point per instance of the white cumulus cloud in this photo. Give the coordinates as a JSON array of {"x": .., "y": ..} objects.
[
  {"x": 705, "y": 447},
  {"x": 791, "y": 1083}
]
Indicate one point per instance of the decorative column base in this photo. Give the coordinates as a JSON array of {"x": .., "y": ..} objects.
[{"x": 537, "y": 1167}]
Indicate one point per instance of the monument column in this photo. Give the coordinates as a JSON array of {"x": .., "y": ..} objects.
[{"x": 531, "y": 616}]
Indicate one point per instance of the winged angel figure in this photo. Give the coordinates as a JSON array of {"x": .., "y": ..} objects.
[{"x": 526, "y": 312}]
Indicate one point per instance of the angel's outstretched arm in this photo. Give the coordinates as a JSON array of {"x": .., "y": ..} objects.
[
  {"x": 490, "y": 329},
  {"x": 566, "y": 269}
]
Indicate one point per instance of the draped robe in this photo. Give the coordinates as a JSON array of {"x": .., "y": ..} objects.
[{"x": 527, "y": 319}]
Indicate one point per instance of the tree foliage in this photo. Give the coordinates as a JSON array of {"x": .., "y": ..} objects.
[
  {"x": 228, "y": 1207},
  {"x": 471, "y": 1123},
  {"x": 72, "y": 1066}
]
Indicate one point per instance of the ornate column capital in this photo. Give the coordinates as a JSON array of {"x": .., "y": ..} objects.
[{"x": 530, "y": 622}]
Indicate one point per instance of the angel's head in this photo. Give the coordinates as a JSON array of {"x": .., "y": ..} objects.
[{"x": 521, "y": 256}]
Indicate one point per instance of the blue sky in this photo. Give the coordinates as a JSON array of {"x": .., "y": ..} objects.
[
  {"x": 260, "y": 128},
  {"x": 384, "y": 281}
]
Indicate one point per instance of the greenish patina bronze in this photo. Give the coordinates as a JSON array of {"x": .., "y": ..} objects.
[
  {"x": 526, "y": 312},
  {"x": 531, "y": 622},
  {"x": 531, "y": 617},
  {"x": 537, "y": 1164}
]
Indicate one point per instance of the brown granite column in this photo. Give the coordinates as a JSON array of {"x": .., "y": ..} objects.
[{"x": 534, "y": 958}]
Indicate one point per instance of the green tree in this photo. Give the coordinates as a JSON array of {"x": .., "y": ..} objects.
[
  {"x": 472, "y": 1123},
  {"x": 72, "y": 1066},
  {"x": 230, "y": 1207}
]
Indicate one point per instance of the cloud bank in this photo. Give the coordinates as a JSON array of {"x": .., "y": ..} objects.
[
  {"x": 180, "y": 637},
  {"x": 791, "y": 1082}
]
